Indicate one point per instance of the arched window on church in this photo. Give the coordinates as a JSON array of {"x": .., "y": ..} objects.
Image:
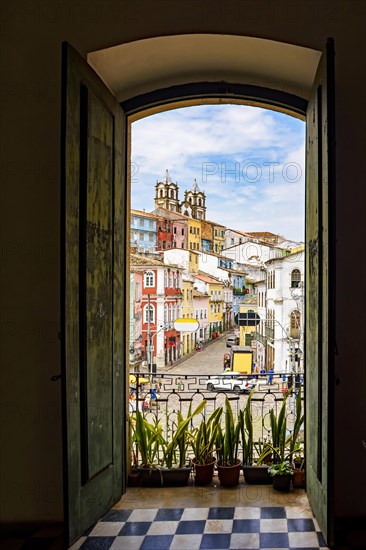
[
  {"x": 171, "y": 194},
  {"x": 295, "y": 278},
  {"x": 199, "y": 202},
  {"x": 161, "y": 193}
]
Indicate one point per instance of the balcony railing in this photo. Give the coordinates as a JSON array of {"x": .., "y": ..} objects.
[
  {"x": 260, "y": 338},
  {"x": 176, "y": 392},
  {"x": 269, "y": 332}
]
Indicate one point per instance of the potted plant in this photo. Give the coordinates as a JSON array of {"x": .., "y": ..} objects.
[
  {"x": 253, "y": 473},
  {"x": 298, "y": 479},
  {"x": 161, "y": 459},
  {"x": 283, "y": 445},
  {"x": 227, "y": 447},
  {"x": 177, "y": 465},
  {"x": 282, "y": 473},
  {"x": 147, "y": 442},
  {"x": 203, "y": 444}
]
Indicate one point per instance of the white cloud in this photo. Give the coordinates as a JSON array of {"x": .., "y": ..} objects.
[{"x": 249, "y": 162}]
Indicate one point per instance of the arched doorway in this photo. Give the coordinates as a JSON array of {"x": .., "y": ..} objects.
[{"x": 95, "y": 455}]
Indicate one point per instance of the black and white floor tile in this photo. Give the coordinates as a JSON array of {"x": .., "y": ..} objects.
[{"x": 212, "y": 528}]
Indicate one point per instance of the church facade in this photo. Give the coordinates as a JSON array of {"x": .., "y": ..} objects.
[{"x": 167, "y": 197}]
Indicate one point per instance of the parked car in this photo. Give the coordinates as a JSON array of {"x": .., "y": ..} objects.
[
  {"x": 231, "y": 381},
  {"x": 232, "y": 340}
]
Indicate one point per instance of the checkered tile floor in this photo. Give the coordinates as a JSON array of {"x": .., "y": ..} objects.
[{"x": 203, "y": 528}]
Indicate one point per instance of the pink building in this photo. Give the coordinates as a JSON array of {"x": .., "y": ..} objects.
[{"x": 200, "y": 306}]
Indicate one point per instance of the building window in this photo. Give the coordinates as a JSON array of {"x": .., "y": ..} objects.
[
  {"x": 295, "y": 278},
  {"x": 141, "y": 236},
  {"x": 149, "y": 279},
  {"x": 137, "y": 291},
  {"x": 182, "y": 230},
  {"x": 196, "y": 314},
  {"x": 146, "y": 316},
  {"x": 151, "y": 237},
  {"x": 151, "y": 224},
  {"x": 295, "y": 324},
  {"x": 174, "y": 230},
  {"x": 205, "y": 313},
  {"x": 141, "y": 222}
]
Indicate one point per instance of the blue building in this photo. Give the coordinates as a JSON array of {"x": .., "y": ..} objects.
[
  {"x": 143, "y": 231},
  {"x": 239, "y": 290}
]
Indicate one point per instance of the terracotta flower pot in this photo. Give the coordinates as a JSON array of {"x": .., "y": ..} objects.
[
  {"x": 298, "y": 478},
  {"x": 203, "y": 472},
  {"x": 229, "y": 475}
]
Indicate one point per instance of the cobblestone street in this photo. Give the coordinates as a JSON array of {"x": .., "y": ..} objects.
[{"x": 207, "y": 361}]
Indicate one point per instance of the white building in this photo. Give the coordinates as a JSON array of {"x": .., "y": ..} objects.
[{"x": 285, "y": 311}]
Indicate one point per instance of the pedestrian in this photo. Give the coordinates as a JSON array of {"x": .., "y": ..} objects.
[{"x": 270, "y": 377}]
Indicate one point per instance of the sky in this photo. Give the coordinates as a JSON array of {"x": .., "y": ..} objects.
[{"x": 250, "y": 162}]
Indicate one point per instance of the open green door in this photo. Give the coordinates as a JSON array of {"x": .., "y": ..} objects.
[
  {"x": 320, "y": 295},
  {"x": 93, "y": 290}
]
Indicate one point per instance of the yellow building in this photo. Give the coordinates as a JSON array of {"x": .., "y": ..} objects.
[
  {"x": 193, "y": 262},
  {"x": 218, "y": 237},
  {"x": 247, "y": 332},
  {"x": 215, "y": 290},
  {"x": 194, "y": 234},
  {"x": 187, "y": 313}
]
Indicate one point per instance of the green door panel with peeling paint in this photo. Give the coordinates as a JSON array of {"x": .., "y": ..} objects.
[
  {"x": 320, "y": 189},
  {"x": 93, "y": 190}
]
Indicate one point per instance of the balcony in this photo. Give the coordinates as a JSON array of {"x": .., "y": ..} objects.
[
  {"x": 260, "y": 338},
  {"x": 239, "y": 291},
  {"x": 216, "y": 298},
  {"x": 269, "y": 332},
  {"x": 211, "y": 516},
  {"x": 177, "y": 392}
]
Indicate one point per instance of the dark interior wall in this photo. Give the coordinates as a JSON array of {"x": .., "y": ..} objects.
[{"x": 32, "y": 31}]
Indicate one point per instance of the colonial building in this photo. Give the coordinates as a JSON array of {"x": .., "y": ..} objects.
[
  {"x": 143, "y": 231},
  {"x": 214, "y": 288},
  {"x": 201, "y": 306},
  {"x": 187, "y": 339},
  {"x": 161, "y": 301},
  {"x": 177, "y": 236},
  {"x": 285, "y": 311}
]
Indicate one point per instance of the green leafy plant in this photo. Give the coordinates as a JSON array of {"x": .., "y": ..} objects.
[
  {"x": 281, "y": 469},
  {"x": 146, "y": 441},
  {"x": 228, "y": 439},
  {"x": 175, "y": 451},
  {"x": 203, "y": 442},
  {"x": 283, "y": 445},
  {"x": 264, "y": 451},
  {"x": 246, "y": 431}
]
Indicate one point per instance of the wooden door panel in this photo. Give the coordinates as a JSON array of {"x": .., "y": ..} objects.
[
  {"x": 93, "y": 181},
  {"x": 320, "y": 189}
]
